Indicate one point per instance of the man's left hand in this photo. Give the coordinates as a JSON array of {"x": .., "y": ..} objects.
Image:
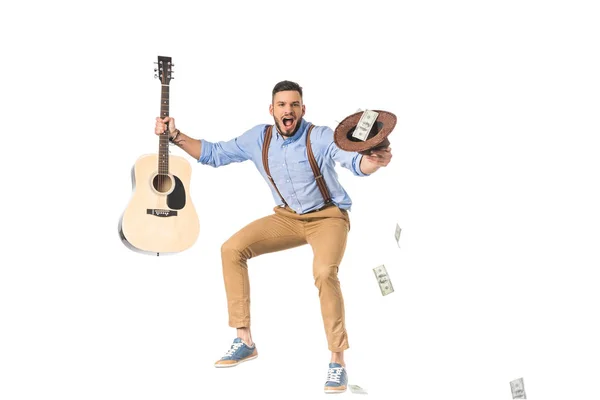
[{"x": 380, "y": 157}]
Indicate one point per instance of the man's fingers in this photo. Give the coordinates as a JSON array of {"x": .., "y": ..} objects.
[
  {"x": 160, "y": 127},
  {"x": 381, "y": 154},
  {"x": 378, "y": 159}
]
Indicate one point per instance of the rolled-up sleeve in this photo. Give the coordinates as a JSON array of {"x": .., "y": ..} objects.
[
  {"x": 217, "y": 154},
  {"x": 347, "y": 159}
]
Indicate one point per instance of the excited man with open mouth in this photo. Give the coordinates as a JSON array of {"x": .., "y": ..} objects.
[
  {"x": 297, "y": 160},
  {"x": 287, "y": 109}
]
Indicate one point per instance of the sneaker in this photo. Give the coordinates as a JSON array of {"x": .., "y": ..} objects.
[
  {"x": 239, "y": 352},
  {"x": 337, "y": 379}
]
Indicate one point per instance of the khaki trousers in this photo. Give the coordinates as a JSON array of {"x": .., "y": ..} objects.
[{"x": 325, "y": 230}]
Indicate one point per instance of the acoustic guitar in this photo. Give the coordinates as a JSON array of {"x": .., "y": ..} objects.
[{"x": 160, "y": 217}]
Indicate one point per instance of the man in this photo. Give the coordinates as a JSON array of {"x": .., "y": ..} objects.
[{"x": 304, "y": 214}]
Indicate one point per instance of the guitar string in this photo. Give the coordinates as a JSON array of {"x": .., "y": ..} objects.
[
  {"x": 162, "y": 152},
  {"x": 166, "y": 133},
  {"x": 164, "y": 142}
]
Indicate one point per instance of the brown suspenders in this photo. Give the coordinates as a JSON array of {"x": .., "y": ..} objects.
[
  {"x": 265, "y": 154},
  {"x": 313, "y": 163},
  {"x": 311, "y": 158}
]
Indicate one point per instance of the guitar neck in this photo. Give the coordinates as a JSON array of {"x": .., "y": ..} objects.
[{"x": 164, "y": 66}]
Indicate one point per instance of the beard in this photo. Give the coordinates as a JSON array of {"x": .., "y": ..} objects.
[{"x": 298, "y": 123}]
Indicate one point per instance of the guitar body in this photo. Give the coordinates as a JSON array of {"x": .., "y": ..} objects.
[{"x": 160, "y": 216}]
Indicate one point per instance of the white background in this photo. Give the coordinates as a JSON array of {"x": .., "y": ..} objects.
[{"x": 494, "y": 181}]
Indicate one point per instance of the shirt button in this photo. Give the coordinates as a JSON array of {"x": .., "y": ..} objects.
[
  {"x": 284, "y": 165},
  {"x": 288, "y": 180}
]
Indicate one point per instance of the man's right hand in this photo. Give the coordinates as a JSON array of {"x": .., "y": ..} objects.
[{"x": 161, "y": 126}]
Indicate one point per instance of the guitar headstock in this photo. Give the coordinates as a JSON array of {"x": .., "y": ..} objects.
[{"x": 164, "y": 71}]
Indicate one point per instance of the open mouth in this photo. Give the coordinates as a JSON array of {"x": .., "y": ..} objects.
[{"x": 288, "y": 122}]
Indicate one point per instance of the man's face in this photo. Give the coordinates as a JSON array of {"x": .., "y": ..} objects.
[{"x": 287, "y": 111}]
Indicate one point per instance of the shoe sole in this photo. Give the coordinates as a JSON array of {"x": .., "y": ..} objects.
[
  {"x": 237, "y": 363},
  {"x": 332, "y": 391}
]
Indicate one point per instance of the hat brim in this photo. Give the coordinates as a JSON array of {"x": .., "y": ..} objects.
[{"x": 384, "y": 125}]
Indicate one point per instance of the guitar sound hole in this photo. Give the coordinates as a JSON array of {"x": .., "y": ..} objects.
[{"x": 162, "y": 183}]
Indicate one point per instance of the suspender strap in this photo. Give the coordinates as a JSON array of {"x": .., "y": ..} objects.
[
  {"x": 315, "y": 167},
  {"x": 311, "y": 158},
  {"x": 265, "y": 155}
]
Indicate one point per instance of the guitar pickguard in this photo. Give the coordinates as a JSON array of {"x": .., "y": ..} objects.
[{"x": 176, "y": 200}]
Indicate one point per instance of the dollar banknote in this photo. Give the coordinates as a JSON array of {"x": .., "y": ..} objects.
[
  {"x": 398, "y": 230},
  {"x": 357, "y": 389},
  {"x": 517, "y": 387},
  {"x": 383, "y": 279},
  {"x": 365, "y": 123}
]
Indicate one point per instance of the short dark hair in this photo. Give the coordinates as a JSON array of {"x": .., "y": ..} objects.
[{"x": 287, "y": 85}]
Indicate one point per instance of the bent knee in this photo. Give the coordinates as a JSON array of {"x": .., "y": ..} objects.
[
  {"x": 325, "y": 272},
  {"x": 233, "y": 248},
  {"x": 230, "y": 246}
]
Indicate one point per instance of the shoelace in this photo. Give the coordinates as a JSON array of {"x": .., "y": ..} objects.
[
  {"x": 334, "y": 375},
  {"x": 233, "y": 349}
]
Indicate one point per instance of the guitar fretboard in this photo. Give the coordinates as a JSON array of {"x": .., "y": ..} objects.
[{"x": 163, "y": 145}]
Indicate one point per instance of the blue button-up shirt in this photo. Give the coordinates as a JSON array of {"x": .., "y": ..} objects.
[{"x": 289, "y": 165}]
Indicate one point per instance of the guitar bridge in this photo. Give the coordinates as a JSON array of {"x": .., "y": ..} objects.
[{"x": 160, "y": 212}]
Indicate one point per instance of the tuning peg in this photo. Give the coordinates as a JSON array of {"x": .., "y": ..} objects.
[{"x": 155, "y": 69}]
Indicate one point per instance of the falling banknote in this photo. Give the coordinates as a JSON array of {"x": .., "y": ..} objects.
[
  {"x": 357, "y": 389},
  {"x": 398, "y": 230},
  {"x": 383, "y": 279},
  {"x": 517, "y": 387},
  {"x": 365, "y": 123}
]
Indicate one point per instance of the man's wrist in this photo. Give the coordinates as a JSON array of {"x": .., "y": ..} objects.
[{"x": 172, "y": 138}]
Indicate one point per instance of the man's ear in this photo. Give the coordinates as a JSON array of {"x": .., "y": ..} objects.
[{"x": 271, "y": 109}]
